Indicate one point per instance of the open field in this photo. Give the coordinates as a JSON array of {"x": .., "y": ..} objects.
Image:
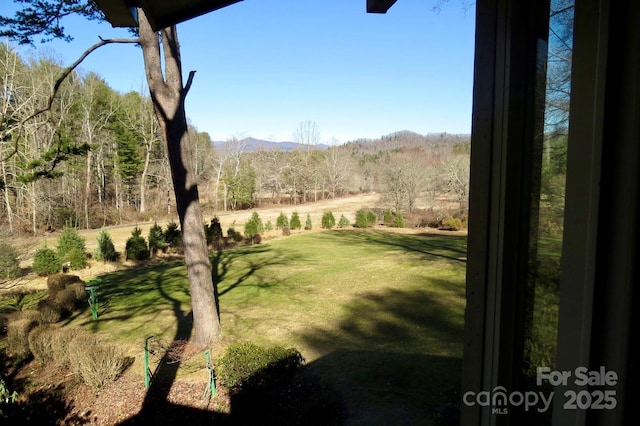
[
  {"x": 377, "y": 314},
  {"x": 120, "y": 233}
]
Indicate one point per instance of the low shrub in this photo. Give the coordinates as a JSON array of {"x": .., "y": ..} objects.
[
  {"x": 58, "y": 282},
  {"x": 18, "y": 327},
  {"x": 95, "y": 362},
  {"x": 40, "y": 343},
  {"x": 307, "y": 224},
  {"x": 451, "y": 224},
  {"x": 50, "y": 311},
  {"x": 68, "y": 300},
  {"x": 61, "y": 339},
  {"x": 46, "y": 262},
  {"x": 268, "y": 226},
  {"x": 246, "y": 366}
]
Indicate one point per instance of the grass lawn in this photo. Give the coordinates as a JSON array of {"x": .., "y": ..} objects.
[{"x": 377, "y": 314}]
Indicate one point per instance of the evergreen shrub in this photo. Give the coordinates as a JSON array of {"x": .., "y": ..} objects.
[
  {"x": 136, "y": 247},
  {"x": 249, "y": 366},
  {"x": 294, "y": 223},
  {"x": 46, "y": 262},
  {"x": 71, "y": 248},
  {"x": 9, "y": 261},
  {"x": 328, "y": 220},
  {"x": 105, "y": 249},
  {"x": 156, "y": 240}
]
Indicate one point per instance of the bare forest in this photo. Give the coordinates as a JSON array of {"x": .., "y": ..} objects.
[{"x": 96, "y": 158}]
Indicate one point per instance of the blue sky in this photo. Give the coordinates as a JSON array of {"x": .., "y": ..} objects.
[{"x": 264, "y": 66}]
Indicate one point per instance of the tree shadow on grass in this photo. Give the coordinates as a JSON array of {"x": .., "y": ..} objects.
[
  {"x": 394, "y": 356},
  {"x": 452, "y": 248}
]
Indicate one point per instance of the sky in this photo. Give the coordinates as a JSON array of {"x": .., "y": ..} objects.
[{"x": 264, "y": 66}]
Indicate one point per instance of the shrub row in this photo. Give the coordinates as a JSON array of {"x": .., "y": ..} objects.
[{"x": 92, "y": 360}]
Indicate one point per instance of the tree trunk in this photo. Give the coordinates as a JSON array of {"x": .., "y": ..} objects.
[
  {"x": 143, "y": 177},
  {"x": 7, "y": 200},
  {"x": 168, "y": 95},
  {"x": 87, "y": 190}
]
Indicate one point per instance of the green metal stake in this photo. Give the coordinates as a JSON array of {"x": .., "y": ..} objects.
[
  {"x": 212, "y": 378},
  {"x": 93, "y": 298},
  {"x": 147, "y": 372}
]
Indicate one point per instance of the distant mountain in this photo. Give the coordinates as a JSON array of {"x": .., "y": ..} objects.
[{"x": 253, "y": 145}]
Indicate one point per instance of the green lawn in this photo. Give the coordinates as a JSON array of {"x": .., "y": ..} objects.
[{"x": 377, "y": 314}]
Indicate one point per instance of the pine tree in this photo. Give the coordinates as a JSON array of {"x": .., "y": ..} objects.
[
  {"x": 328, "y": 220},
  {"x": 156, "y": 240},
  {"x": 294, "y": 223},
  {"x": 105, "y": 250}
]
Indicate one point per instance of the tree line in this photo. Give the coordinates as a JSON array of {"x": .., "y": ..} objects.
[{"x": 96, "y": 158}]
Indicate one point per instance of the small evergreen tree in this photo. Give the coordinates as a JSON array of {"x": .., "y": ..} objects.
[
  {"x": 307, "y": 224},
  {"x": 388, "y": 217},
  {"x": 294, "y": 223},
  {"x": 156, "y": 240},
  {"x": 213, "y": 231},
  {"x": 105, "y": 250},
  {"x": 328, "y": 220},
  {"x": 343, "y": 222},
  {"x": 46, "y": 262},
  {"x": 253, "y": 227},
  {"x": 365, "y": 218},
  {"x": 173, "y": 235},
  {"x": 136, "y": 247},
  {"x": 9, "y": 261},
  {"x": 71, "y": 248},
  {"x": 398, "y": 221},
  {"x": 372, "y": 218},
  {"x": 282, "y": 221},
  {"x": 268, "y": 226}
]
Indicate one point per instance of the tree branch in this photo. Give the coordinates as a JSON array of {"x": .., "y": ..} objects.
[
  {"x": 188, "y": 85},
  {"x": 65, "y": 73}
]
